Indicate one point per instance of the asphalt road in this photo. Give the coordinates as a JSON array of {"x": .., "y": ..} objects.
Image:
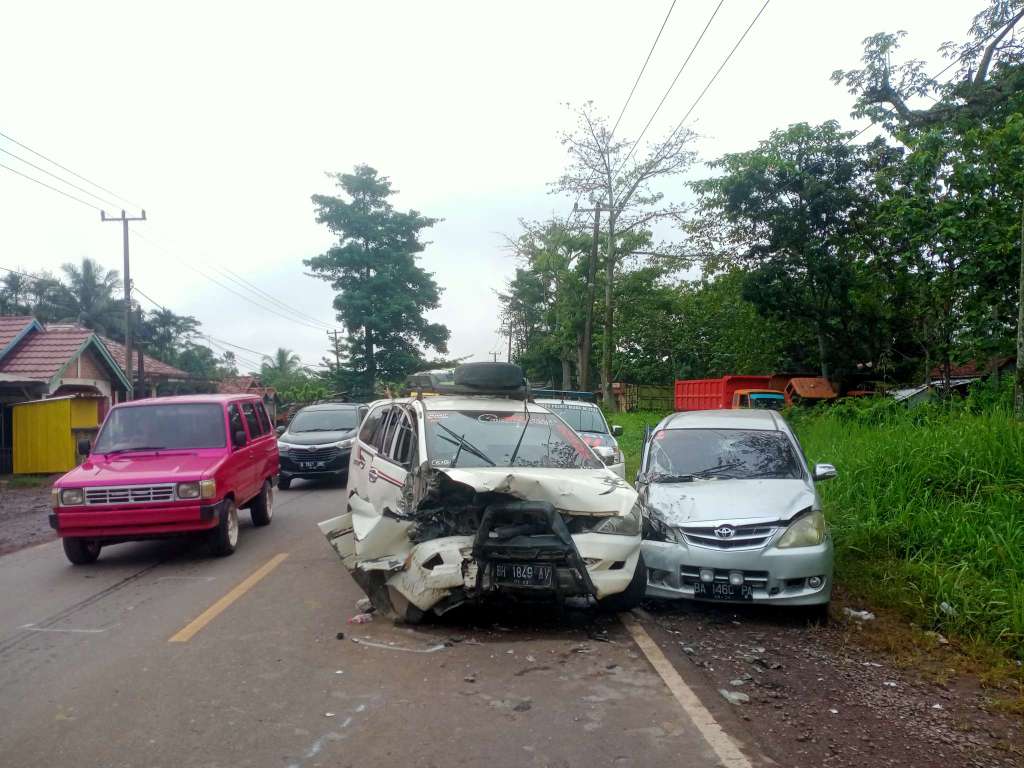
[{"x": 160, "y": 656}]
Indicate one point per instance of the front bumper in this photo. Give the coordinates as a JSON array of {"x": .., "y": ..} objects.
[
  {"x": 134, "y": 522},
  {"x": 293, "y": 465},
  {"x": 778, "y": 576}
]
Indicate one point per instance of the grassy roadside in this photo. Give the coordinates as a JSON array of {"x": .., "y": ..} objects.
[{"x": 927, "y": 512}]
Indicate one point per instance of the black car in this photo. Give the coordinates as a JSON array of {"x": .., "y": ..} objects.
[{"x": 318, "y": 441}]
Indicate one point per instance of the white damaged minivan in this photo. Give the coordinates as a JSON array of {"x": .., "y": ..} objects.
[{"x": 474, "y": 492}]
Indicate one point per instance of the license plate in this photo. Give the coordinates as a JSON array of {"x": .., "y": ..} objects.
[
  {"x": 523, "y": 574},
  {"x": 310, "y": 464},
  {"x": 717, "y": 591}
]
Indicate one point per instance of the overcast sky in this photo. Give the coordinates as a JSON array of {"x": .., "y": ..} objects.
[{"x": 222, "y": 118}]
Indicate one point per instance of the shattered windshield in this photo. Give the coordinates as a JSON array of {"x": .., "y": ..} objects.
[
  {"x": 582, "y": 418},
  {"x": 170, "y": 426},
  {"x": 721, "y": 453},
  {"x": 492, "y": 438}
]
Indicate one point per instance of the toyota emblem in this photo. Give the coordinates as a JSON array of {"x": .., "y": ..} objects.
[{"x": 725, "y": 532}]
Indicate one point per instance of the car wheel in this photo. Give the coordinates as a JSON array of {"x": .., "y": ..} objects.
[
  {"x": 81, "y": 551},
  {"x": 632, "y": 595},
  {"x": 261, "y": 509},
  {"x": 224, "y": 538},
  {"x": 284, "y": 483},
  {"x": 816, "y": 615}
]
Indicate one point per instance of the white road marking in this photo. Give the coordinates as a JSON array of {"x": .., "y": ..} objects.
[
  {"x": 33, "y": 628},
  {"x": 719, "y": 741}
]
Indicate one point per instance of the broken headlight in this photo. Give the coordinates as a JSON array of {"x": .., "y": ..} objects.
[
  {"x": 806, "y": 531},
  {"x": 621, "y": 525}
]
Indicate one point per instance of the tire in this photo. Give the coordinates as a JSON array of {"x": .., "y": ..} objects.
[
  {"x": 816, "y": 615},
  {"x": 224, "y": 538},
  {"x": 632, "y": 595},
  {"x": 81, "y": 551},
  {"x": 261, "y": 509},
  {"x": 284, "y": 483}
]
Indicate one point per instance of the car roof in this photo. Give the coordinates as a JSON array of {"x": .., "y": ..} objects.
[
  {"x": 211, "y": 398},
  {"x": 726, "y": 418},
  {"x": 332, "y": 406}
]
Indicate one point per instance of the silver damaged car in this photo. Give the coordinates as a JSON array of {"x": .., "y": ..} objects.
[{"x": 732, "y": 513}]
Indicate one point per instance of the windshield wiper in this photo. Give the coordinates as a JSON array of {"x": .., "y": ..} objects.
[
  {"x": 131, "y": 448},
  {"x": 519, "y": 442},
  {"x": 464, "y": 445},
  {"x": 672, "y": 478},
  {"x": 718, "y": 469}
]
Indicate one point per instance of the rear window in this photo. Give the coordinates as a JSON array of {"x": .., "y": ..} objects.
[
  {"x": 170, "y": 426},
  {"x": 582, "y": 418}
]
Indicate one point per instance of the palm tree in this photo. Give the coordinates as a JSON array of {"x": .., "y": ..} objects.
[
  {"x": 89, "y": 298},
  {"x": 279, "y": 368}
]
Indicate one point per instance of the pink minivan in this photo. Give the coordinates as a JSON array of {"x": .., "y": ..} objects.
[{"x": 169, "y": 466}]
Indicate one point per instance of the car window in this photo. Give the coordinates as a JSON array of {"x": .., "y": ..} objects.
[
  {"x": 386, "y": 434},
  {"x": 261, "y": 414},
  {"x": 504, "y": 438},
  {"x": 172, "y": 425},
  {"x": 325, "y": 420},
  {"x": 723, "y": 453},
  {"x": 251, "y": 420},
  {"x": 235, "y": 419},
  {"x": 404, "y": 448},
  {"x": 582, "y": 418},
  {"x": 371, "y": 423}
]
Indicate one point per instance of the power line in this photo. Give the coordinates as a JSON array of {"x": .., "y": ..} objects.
[
  {"x": 644, "y": 67},
  {"x": 719, "y": 70},
  {"x": 68, "y": 170},
  {"x": 59, "y": 178},
  {"x": 228, "y": 288},
  {"x": 271, "y": 297},
  {"x": 672, "y": 85},
  {"x": 48, "y": 186},
  {"x": 156, "y": 304}
]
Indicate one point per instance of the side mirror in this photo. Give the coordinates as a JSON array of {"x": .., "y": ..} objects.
[
  {"x": 280, "y": 431},
  {"x": 824, "y": 472},
  {"x": 84, "y": 446},
  {"x": 616, "y": 430},
  {"x": 238, "y": 438}
]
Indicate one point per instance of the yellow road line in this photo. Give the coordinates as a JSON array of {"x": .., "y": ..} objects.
[
  {"x": 187, "y": 632},
  {"x": 719, "y": 741}
]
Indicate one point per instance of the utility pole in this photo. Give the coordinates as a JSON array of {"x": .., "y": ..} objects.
[
  {"x": 124, "y": 219},
  {"x": 494, "y": 356},
  {"x": 1018, "y": 376},
  {"x": 337, "y": 352}
]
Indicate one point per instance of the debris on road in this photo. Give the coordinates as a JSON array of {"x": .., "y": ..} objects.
[
  {"x": 734, "y": 697},
  {"x": 361, "y": 618},
  {"x": 396, "y": 647},
  {"x": 859, "y": 615}
]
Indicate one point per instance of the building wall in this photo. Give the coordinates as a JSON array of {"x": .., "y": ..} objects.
[{"x": 87, "y": 371}]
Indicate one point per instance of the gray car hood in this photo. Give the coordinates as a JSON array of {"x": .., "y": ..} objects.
[{"x": 707, "y": 501}]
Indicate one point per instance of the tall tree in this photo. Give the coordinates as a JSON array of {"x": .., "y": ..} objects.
[
  {"x": 280, "y": 369},
  {"x": 605, "y": 169},
  {"x": 166, "y": 333},
  {"x": 793, "y": 212},
  {"x": 383, "y": 293},
  {"x": 89, "y": 298}
]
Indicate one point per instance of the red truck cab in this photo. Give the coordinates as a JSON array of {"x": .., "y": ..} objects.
[{"x": 169, "y": 466}]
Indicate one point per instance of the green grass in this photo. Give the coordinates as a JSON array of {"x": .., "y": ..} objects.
[
  {"x": 928, "y": 508},
  {"x": 29, "y": 481}
]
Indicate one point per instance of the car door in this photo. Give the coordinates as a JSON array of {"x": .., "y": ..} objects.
[
  {"x": 237, "y": 464},
  {"x": 393, "y": 461},
  {"x": 254, "y": 450}
]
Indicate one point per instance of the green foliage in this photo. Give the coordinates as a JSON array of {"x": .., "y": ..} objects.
[
  {"x": 383, "y": 293},
  {"x": 927, "y": 509}
]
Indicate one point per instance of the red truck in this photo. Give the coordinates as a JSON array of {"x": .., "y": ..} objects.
[{"x": 727, "y": 392}]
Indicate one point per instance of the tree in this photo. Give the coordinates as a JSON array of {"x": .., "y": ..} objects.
[
  {"x": 383, "y": 293},
  {"x": 793, "y": 213},
  {"x": 603, "y": 170},
  {"x": 88, "y": 298},
  {"x": 166, "y": 333},
  {"x": 281, "y": 369}
]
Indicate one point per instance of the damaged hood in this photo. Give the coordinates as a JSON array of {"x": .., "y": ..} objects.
[
  {"x": 573, "y": 491},
  {"x": 706, "y": 501}
]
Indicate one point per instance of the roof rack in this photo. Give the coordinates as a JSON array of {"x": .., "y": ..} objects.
[{"x": 481, "y": 379}]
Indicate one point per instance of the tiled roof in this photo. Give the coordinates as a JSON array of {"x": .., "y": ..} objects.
[
  {"x": 972, "y": 369},
  {"x": 42, "y": 354},
  {"x": 11, "y": 326},
  {"x": 154, "y": 368},
  {"x": 244, "y": 385}
]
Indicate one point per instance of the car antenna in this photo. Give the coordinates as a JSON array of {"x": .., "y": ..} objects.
[{"x": 526, "y": 425}]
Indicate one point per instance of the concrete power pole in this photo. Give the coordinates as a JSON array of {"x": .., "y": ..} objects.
[
  {"x": 1018, "y": 390},
  {"x": 588, "y": 316},
  {"x": 127, "y": 296}
]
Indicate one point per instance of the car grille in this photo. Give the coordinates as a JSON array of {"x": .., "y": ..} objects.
[
  {"x": 130, "y": 494},
  {"x": 691, "y": 574},
  {"x": 316, "y": 454},
  {"x": 745, "y": 537}
]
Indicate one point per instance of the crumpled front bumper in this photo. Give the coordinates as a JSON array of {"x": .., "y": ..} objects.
[{"x": 778, "y": 576}]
